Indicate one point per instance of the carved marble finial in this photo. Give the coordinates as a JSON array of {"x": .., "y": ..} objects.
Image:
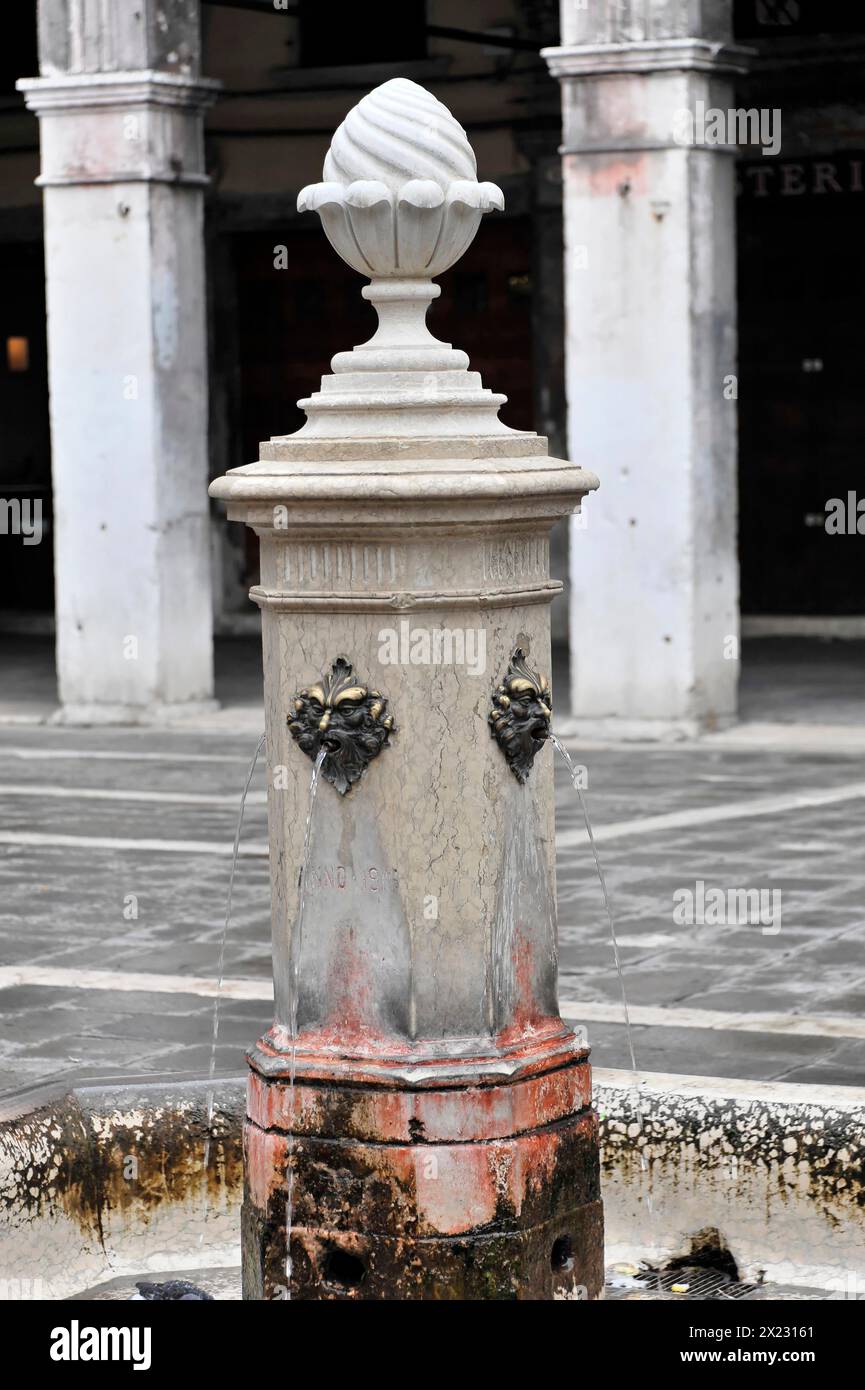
[
  {"x": 400, "y": 195},
  {"x": 401, "y": 202}
]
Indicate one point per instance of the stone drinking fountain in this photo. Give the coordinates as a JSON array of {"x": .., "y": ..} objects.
[{"x": 419, "y": 1122}]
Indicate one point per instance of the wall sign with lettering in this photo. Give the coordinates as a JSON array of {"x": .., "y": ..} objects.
[{"x": 826, "y": 176}]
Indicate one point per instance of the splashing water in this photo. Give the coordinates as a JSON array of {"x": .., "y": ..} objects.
[
  {"x": 221, "y": 971},
  {"x": 294, "y": 983},
  {"x": 575, "y": 775}
]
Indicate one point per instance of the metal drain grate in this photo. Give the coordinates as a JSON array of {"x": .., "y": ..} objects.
[{"x": 688, "y": 1281}]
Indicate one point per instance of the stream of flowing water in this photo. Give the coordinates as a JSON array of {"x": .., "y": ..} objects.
[
  {"x": 294, "y": 986},
  {"x": 574, "y": 774},
  {"x": 220, "y": 974}
]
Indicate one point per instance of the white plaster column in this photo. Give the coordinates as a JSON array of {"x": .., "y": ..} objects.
[
  {"x": 650, "y": 353},
  {"x": 120, "y": 106}
]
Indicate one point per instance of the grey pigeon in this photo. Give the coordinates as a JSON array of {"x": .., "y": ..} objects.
[{"x": 175, "y": 1290}]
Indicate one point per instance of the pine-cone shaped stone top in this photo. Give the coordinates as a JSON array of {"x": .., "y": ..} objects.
[{"x": 400, "y": 196}]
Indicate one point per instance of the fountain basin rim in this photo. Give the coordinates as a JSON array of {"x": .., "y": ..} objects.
[{"x": 807, "y": 1247}]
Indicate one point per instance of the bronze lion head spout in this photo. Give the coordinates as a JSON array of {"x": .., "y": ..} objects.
[
  {"x": 344, "y": 717},
  {"x": 521, "y": 714}
]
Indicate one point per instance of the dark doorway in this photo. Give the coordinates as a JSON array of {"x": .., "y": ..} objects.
[
  {"x": 801, "y": 226},
  {"x": 26, "y": 569},
  {"x": 491, "y": 284},
  {"x": 349, "y": 39}
]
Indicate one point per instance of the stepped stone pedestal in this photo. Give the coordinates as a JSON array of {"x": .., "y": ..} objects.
[{"x": 418, "y": 1103}]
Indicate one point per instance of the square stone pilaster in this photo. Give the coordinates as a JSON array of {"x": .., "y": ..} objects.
[
  {"x": 650, "y": 296},
  {"x": 120, "y": 106}
]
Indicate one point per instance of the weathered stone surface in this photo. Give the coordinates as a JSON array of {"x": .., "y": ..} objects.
[
  {"x": 421, "y": 1191},
  {"x": 512, "y": 1216},
  {"x": 405, "y": 530},
  {"x": 443, "y": 1113},
  {"x": 110, "y": 1178},
  {"x": 537, "y": 1263}
]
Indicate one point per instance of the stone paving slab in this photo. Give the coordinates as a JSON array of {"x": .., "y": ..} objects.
[
  {"x": 748, "y": 1056},
  {"x": 64, "y": 906}
]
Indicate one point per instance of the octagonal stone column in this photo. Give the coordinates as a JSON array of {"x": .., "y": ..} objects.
[{"x": 432, "y": 1106}]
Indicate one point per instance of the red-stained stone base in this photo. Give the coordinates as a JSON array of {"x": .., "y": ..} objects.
[{"x": 456, "y": 1193}]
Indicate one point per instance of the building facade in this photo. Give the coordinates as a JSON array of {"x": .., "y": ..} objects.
[{"x": 676, "y": 300}]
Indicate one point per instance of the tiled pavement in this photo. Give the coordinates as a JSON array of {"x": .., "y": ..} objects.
[{"x": 62, "y": 906}]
